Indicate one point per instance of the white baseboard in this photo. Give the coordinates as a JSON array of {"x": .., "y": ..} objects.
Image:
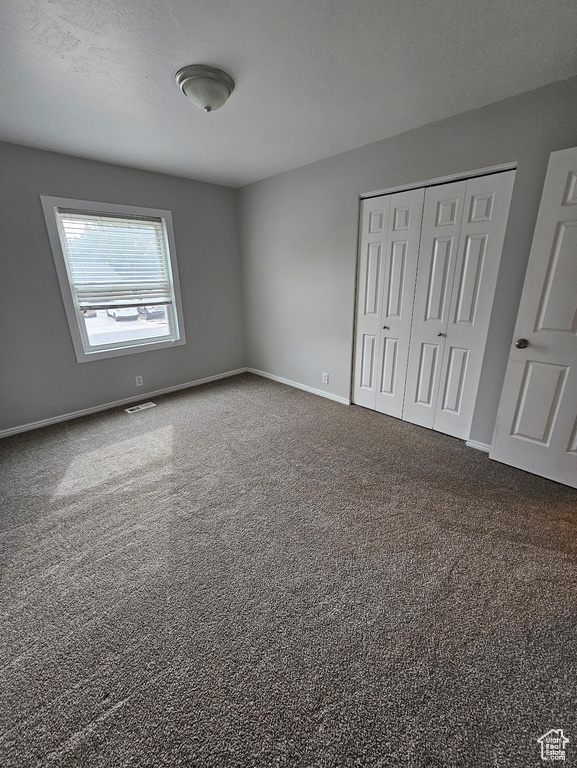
[
  {"x": 305, "y": 387},
  {"x": 478, "y": 446},
  {"x": 116, "y": 403}
]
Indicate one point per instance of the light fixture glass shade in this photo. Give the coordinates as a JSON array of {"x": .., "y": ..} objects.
[
  {"x": 207, "y": 87},
  {"x": 206, "y": 94}
]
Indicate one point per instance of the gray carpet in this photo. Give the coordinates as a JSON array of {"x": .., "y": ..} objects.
[{"x": 248, "y": 575}]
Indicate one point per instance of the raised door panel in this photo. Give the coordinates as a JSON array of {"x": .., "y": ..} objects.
[
  {"x": 372, "y": 244},
  {"x": 442, "y": 215},
  {"x": 426, "y": 376},
  {"x": 371, "y": 281},
  {"x": 451, "y": 397},
  {"x": 368, "y": 348},
  {"x": 389, "y": 359},
  {"x": 536, "y": 425},
  {"x": 400, "y": 267},
  {"x": 541, "y": 393},
  {"x": 557, "y": 311},
  {"x": 485, "y": 213},
  {"x": 572, "y": 445}
]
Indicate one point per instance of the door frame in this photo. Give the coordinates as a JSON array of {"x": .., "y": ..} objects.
[
  {"x": 463, "y": 176},
  {"x": 442, "y": 180}
]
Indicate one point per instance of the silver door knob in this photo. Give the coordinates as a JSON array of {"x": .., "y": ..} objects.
[
  {"x": 385, "y": 327},
  {"x": 521, "y": 343},
  {"x": 440, "y": 334}
]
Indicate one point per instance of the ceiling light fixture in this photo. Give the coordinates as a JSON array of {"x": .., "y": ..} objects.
[{"x": 207, "y": 87}]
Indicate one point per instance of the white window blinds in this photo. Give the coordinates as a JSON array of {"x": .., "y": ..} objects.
[{"x": 115, "y": 261}]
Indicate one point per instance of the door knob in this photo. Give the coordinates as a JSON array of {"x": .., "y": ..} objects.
[
  {"x": 440, "y": 334},
  {"x": 385, "y": 327},
  {"x": 521, "y": 343}
]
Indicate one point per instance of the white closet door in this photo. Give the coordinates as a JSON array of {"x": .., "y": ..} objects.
[
  {"x": 537, "y": 420},
  {"x": 400, "y": 269},
  {"x": 373, "y": 236},
  {"x": 480, "y": 246},
  {"x": 437, "y": 257},
  {"x": 425, "y": 294}
]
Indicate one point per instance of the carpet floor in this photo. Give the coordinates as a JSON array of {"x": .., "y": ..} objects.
[{"x": 249, "y": 575}]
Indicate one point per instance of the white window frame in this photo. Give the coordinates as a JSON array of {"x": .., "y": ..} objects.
[{"x": 74, "y": 314}]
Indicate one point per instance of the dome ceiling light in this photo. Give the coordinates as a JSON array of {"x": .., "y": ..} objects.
[{"x": 207, "y": 87}]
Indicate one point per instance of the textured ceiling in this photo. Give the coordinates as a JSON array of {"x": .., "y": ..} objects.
[{"x": 95, "y": 78}]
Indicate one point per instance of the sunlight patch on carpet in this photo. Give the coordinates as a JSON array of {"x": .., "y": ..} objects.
[{"x": 116, "y": 460}]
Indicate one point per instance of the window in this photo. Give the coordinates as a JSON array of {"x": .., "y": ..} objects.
[{"x": 117, "y": 272}]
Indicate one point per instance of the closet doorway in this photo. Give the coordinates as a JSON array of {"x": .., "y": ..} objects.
[{"x": 427, "y": 271}]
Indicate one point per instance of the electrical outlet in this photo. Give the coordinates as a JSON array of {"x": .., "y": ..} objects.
[
  {"x": 139, "y": 381},
  {"x": 325, "y": 378}
]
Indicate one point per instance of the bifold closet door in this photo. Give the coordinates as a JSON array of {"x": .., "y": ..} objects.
[
  {"x": 390, "y": 233},
  {"x": 442, "y": 216},
  {"x": 373, "y": 236},
  {"x": 479, "y": 257},
  {"x": 454, "y": 299}
]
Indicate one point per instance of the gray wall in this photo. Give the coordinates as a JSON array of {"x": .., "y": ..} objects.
[
  {"x": 39, "y": 375},
  {"x": 299, "y": 236}
]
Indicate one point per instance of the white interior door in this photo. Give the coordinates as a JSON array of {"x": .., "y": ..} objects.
[
  {"x": 400, "y": 270},
  {"x": 442, "y": 216},
  {"x": 373, "y": 237},
  {"x": 389, "y": 248},
  {"x": 536, "y": 427},
  {"x": 485, "y": 215},
  {"x": 463, "y": 232}
]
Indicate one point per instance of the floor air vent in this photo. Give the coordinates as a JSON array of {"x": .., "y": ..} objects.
[{"x": 140, "y": 407}]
